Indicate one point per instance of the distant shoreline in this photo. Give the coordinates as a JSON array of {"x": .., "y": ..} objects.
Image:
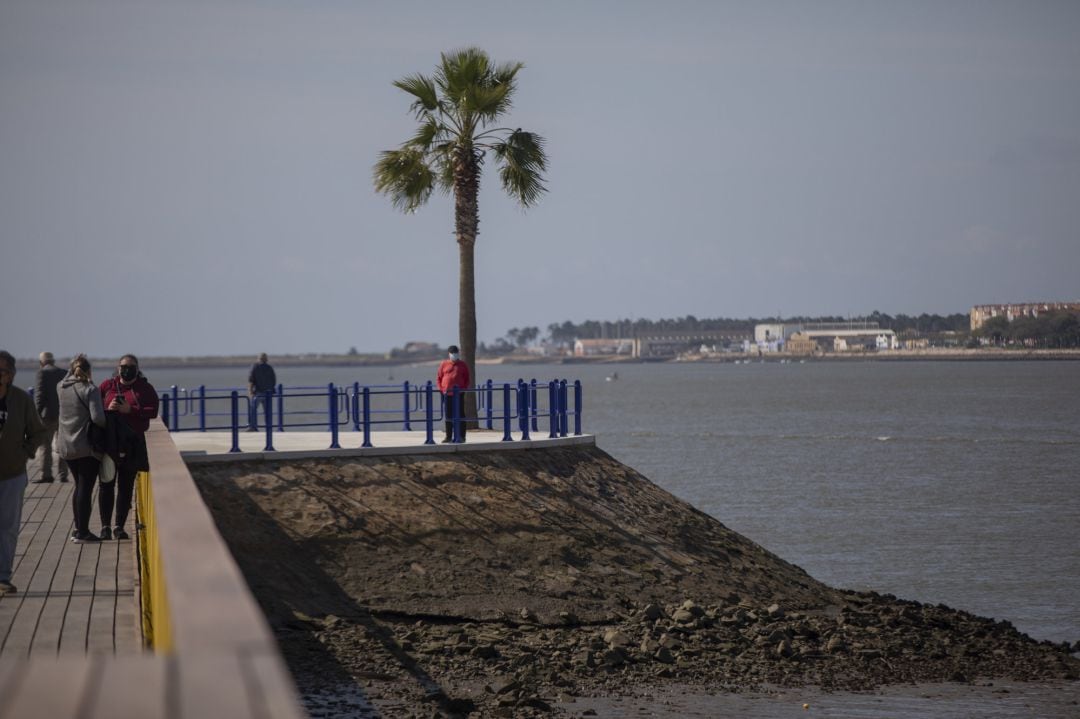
[{"x": 328, "y": 360}]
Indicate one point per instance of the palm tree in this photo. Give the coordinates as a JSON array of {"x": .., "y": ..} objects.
[{"x": 457, "y": 109}]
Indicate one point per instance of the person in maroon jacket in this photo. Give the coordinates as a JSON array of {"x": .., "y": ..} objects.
[
  {"x": 453, "y": 375},
  {"x": 136, "y": 401}
]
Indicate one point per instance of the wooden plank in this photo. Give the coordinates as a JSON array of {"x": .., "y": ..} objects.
[
  {"x": 10, "y": 604},
  {"x": 51, "y": 622},
  {"x": 51, "y": 688},
  {"x": 208, "y": 685},
  {"x": 12, "y": 671},
  {"x": 21, "y": 634},
  {"x": 77, "y": 622},
  {"x": 101, "y": 633},
  {"x": 130, "y": 685},
  {"x": 34, "y": 577},
  {"x": 33, "y": 532}
]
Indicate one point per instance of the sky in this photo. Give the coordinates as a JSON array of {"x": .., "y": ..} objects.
[{"x": 195, "y": 177}]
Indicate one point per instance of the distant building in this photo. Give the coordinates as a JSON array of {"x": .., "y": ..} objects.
[
  {"x": 801, "y": 344},
  {"x": 981, "y": 313},
  {"x": 771, "y": 337},
  {"x": 420, "y": 347},
  {"x": 415, "y": 351},
  {"x": 674, "y": 343},
  {"x": 827, "y": 336},
  {"x": 591, "y": 348}
]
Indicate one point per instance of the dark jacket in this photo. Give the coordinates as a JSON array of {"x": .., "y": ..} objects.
[
  {"x": 124, "y": 444},
  {"x": 262, "y": 377},
  {"x": 21, "y": 435},
  {"x": 140, "y": 396},
  {"x": 46, "y": 396}
]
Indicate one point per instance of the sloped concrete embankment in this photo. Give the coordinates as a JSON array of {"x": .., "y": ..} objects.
[{"x": 507, "y": 579}]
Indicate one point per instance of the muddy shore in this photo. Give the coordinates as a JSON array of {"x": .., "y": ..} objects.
[{"x": 508, "y": 584}]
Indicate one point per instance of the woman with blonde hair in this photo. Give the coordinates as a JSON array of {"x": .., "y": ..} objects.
[{"x": 80, "y": 404}]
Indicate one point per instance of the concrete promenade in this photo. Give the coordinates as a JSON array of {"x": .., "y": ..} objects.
[{"x": 215, "y": 446}]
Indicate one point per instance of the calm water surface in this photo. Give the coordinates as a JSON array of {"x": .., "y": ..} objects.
[{"x": 941, "y": 482}]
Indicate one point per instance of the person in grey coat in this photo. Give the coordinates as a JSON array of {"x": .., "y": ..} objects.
[
  {"x": 46, "y": 400},
  {"x": 80, "y": 404}
]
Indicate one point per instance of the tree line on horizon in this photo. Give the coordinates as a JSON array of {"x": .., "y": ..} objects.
[
  {"x": 1053, "y": 330},
  {"x": 566, "y": 332}
]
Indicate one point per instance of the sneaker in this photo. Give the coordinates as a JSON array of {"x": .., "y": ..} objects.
[
  {"x": 42, "y": 480},
  {"x": 74, "y": 533},
  {"x": 119, "y": 533},
  {"x": 7, "y": 588},
  {"x": 106, "y": 533},
  {"x": 89, "y": 537}
]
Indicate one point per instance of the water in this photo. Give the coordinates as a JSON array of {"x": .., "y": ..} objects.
[{"x": 935, "y": 481}]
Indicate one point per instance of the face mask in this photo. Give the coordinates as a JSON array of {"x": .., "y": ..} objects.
[
  {"x": 454, "y": 357},
  {"x": 128, "y": 372}
]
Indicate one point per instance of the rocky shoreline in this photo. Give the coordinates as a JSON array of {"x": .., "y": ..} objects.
[{"x": 506, "y": 584}]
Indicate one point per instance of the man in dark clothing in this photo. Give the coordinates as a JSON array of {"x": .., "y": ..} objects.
[
  {"x": 261, "y": 379},
  {"x": 47, "y": 402},
  {"x": 20, "y": 434},
  {"x": 453, "y": 376}
]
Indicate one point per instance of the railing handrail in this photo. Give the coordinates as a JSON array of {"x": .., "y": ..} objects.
[{"x": 347, "y": 405}]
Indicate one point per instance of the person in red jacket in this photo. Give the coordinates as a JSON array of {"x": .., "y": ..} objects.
[
  {"x": 453, "y": 375},
  {"x": 136, "y": 401}
]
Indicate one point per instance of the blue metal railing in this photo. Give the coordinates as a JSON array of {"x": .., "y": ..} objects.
[{"x": 521, "y": 405}]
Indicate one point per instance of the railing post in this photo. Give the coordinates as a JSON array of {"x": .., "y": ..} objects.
[
  {"x": 332, "y": 401},
  {"x": 533, "y": 404},
  {"x": 429, "y": 416},
  {"x": 405, "y": 406},
  {"x": 523, "y": 409},
  {"x": 356, "y": 406},
  {"x": 490, "y": 408},
  {"x": 166, "y": 415},
  {"x": 553, "y": 414},
  {"x": 202, "y": 408},
  {"x": 562, "y": 409},
  {"x": 280, "y": 406},
  {"x": 506, "y": 413},
  {"x": 367, "y": 418},
  {"x": 269, "y": 420},
  {"x": 235, "y": 402},
  {"x": 453, "y": 399},
  {"x": 175, "y": 409},
  {"x": 577, "y": 407}
]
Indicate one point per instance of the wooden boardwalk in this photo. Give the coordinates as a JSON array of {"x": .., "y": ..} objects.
[
  {"x": 71, "y": 643},
  {"x": 73, "y": 599}
]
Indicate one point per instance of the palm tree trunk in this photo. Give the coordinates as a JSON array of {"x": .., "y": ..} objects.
[{"x": 467, "y": 223}]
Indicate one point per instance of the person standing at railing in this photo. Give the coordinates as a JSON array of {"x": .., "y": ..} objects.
[
  {"x": 453, "y": 376},
  {"x": 47, "y": 401},
  {"x": 79, "y": 406},
  {"x": 130, "y": 394},
  {"x": 21, "y": 432},
  {"x": 261, "y": 379}
]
